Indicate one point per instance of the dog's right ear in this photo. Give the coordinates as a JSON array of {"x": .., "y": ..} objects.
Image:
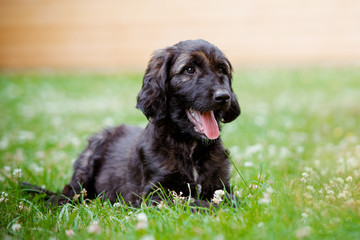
[
  {"x": 152, "y": 98},
  {"x": 234, "y": 111}
]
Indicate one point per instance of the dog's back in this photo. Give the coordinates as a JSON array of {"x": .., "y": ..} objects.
[{"x": 108, "y": 154}]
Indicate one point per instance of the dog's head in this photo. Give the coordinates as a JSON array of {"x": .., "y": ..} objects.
[{"x": 190, "y": 84}]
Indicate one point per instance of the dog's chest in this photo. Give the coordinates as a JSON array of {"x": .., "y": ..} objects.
[
  {"x": 195, "y": 172},
  {"x": 196, "y": 179}
]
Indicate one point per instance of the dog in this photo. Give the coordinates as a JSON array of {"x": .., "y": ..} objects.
[{"x": 186, "y": 94}]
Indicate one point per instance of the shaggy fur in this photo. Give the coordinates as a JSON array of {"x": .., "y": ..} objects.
[{"x": 173, "y": 151}]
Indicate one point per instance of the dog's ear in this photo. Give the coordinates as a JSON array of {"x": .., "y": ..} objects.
[
  {"x": 152, "y": 98},
  {"x": 234, "y": 110}
]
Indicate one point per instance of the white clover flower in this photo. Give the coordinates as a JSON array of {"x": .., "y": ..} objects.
[
  {"x": 219, "y": 237},
  {"x": 304, "y": 215},
  {"x": 253, "y": 186},
  {"x": 309, "y": 169},
  {"x": 94, "y": 227},
  {"x": 235, "y": 151},
  {"x": 83, "y": 192},
  {"x": 284, "y": 152},
  {"x": 269, "y": 190},
  {"x": 251, "y": 150},
  {"x": 26, "y": 136},
  {"x": 335, "y": 221},
  {"x": 129, "y": 216},
  {"x": 109, "y": 121},
  {"x": 264, "y": 201},
  {"x": 40, "y": 154},
  {"x": 217, "y": 198},
  {"x": 219, "y": 193},
  {"x": 21, "y": 206},
  {"x": 356, "y": 173},
  {"x": 259, "y": 120},
  {"x": 351, "y": 203},
  {"x": 261, "y": 178},
  {"x": 17, "y": 173},
  {"x": 147, "y": 237},
  {"x": 349, "y": 179},
  {"x": 339, "y": 180},
  {"x": 272, "y": 150},
  {"x": 305, "y": 174},
  {"x": 70, "y": 233},
  {"x": 178, "y": 198},
  {"x": 323, "y": 172},
  {"x": 352, "y": 162},
  {"x": 303, "y": 232},
  {"x": 307, "y": 195},
  {"x": 19, "y": 155},
  {"x": 16, "y": 227},
  {"x": 161, "y": 205},
  {"x": 340, "y": 160},
  {"x": 7, "y": 168},
  {"x": 330, "y": 197},
  {"x": 300, "y": 149},
  {"x": 310, "y": 188},
  {"x": 75, "y": 141},
  {"x": 330, "y": 192},
  {"x": 117, "y": 204},
  {"x": 36, "y": 168},
  {"x": 3, "y": 197},
  {"x": 248, "y": 164},
  {"x": 317, "y": 163},
  {"x": 142, "y": 221},
  {"x": 238, "y": 193},
  {"x": 76, "y": 197},
  {"x": 344, "y": 194},
  {"x": 4, "y": 143},
  {"x": 267, "y": 196}
]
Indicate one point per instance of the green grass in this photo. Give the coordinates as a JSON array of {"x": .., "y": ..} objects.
[{"x": 296, "y": 145}]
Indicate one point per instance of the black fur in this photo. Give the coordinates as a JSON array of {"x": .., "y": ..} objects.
[{"x": 129, "y": 162}]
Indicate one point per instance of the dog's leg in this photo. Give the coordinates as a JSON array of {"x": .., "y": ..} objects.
[
  {"x": 31, "y": 188},
  {"x": 172, "y": 188},
  {"x": 50, "y": 197},
  {"x": 85, "y": 169}
]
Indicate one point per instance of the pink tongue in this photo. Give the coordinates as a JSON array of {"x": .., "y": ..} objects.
[{"x": 210, "y": 125}]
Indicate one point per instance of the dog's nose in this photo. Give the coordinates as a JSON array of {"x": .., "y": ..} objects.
[{"x": 221, "y": 95}]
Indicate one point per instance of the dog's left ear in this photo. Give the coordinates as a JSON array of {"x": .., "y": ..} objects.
[
  {"x": 234, "y": 110},
  {"x": 152, "y": 98}
]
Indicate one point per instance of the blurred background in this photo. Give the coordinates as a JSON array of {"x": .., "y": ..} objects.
[{"x": 123, "y": 34}]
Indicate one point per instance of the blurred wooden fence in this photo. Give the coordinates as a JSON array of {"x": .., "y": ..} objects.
[{"x": 120, "y": 34}]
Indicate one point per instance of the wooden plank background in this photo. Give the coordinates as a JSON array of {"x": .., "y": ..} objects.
[{"x": 123, "y": 34}]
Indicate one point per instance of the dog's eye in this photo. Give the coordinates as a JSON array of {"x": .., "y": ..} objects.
[
  {"x": 222, "y": 70},
  {"x": 190, "y": 70}
]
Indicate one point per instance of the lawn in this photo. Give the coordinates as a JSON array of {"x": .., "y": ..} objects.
[{"x": 296, "y": 147}]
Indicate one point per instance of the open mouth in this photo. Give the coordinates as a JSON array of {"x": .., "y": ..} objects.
[{"x": 205, "y": 123}]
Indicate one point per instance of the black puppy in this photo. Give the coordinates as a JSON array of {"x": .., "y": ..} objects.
[{"x": 186, "y": 93}]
